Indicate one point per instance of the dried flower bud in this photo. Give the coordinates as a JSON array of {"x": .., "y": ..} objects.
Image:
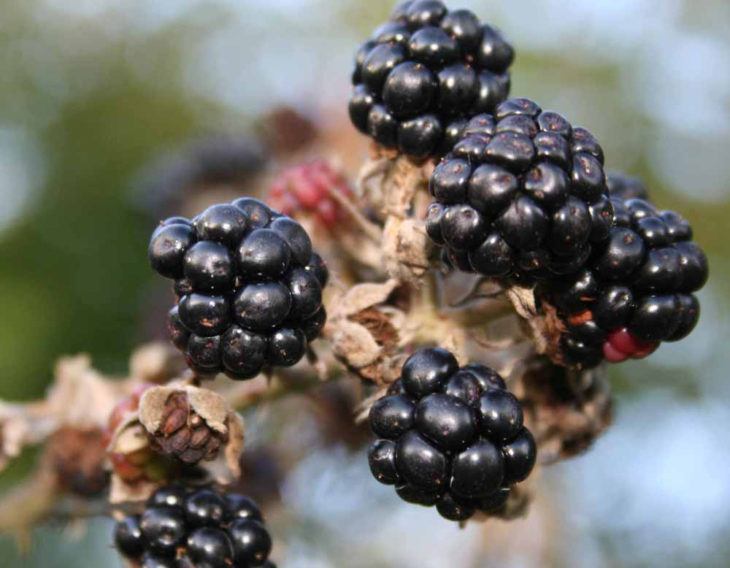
[
  {"x": 196, "y": 426},
  {"x": 184, "y": 434},
  {"x": 369, "y": 330}
]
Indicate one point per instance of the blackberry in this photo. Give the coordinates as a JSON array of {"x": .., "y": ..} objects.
[
  {"x": 450, "y": 437},
  {"x": 636, "y": 290},
  {"x": 423, "y": 72},
  {"x": 522, "y": 193},
  {"x": 248, "y": 287},
  {"x": 181, "y": 527}
]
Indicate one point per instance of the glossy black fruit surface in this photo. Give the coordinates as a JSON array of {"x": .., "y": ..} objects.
[
  {"x": 636, "y": 288},
  {"x": 182, "y": 527},
  {"x": 522, "y": 193},
  {"x": 248, "y": 285},
  {"x": 450, "y": 437},
  {"x": 422, "y": 72}
]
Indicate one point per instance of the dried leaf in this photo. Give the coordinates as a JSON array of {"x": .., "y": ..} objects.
[
  {"x": 81, "y": 396},
  {"x": 154, "y": 363},
  {"x": 362, "y": 296},
  {"x": 355, "y": 344}
]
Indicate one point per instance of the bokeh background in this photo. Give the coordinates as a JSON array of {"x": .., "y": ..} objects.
[{"x": 96, "y": 98}]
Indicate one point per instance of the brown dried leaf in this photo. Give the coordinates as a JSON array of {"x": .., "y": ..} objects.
[
  {"x": 80, "y": 396},
  {"x": 154, "y": 363},
  {"x": 543, "y": 326},
  {"x": 362, "y": 296},
  {"x": 123, "y": 492},
  {"x": 355, "y": 344},
  {"x": 406, "y": 249},
  {"x": 226, "y": 467}
]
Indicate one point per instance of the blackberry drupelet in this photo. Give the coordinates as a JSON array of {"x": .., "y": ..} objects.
[
  {"x": 450, "y": 437},
  {"x": 248, "y": 286},
  {"x": 522, "y": 193},
  {"x": 625, "y": 187},
  {"x": 636, "y": 290},
  {"x": 181, "y": 528},
  {"x": 423, "y": 72}
]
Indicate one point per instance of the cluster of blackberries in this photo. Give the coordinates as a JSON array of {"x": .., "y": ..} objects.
[
  {"x": 636, "y": 289},
  {"x": 423, "y": 72},
  {"x": 522, "y": 192},
  {"x": 249, "y": 287},
  {"x": 181, "y": 528},
  {"x": 450, "y": 437}
]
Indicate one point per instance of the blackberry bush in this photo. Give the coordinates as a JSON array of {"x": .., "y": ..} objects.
[
  {"x": 423, "y": 73},
  {"x": 249, "y": 287},
  {"x": 574, "y": 268},
  {"x": 522, "y": 192},
  {"x": 450, "y": 437},
  {"x": 636, "y": 291},
  {"x": 183, "y": 528}
]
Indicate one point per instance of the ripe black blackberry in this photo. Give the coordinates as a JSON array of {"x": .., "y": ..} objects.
[
  {"x": 423, "y": 72},
  {"x": 450, "y": 437},
  {"x": 182, "y": 528},
  {"x": 635, "y": 291},
  {"x": 248, "y": 284},
  {"x": 522, "y": 193}
]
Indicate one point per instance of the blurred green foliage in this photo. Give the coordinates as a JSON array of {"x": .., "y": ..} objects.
[{"x": 72, "y": 270}]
